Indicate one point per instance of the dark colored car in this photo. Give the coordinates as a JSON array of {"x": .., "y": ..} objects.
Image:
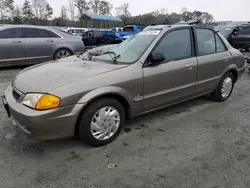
[
  {"x": 237, "y": 35},
  {"x": 99, "y": 37}
]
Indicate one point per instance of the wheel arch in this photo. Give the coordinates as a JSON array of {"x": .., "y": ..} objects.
[
  {"x": 233, "y": 69},
  {"x": 62, "y": 48},
  {"x": 110, "y": 91},
  {"x": 122, "y": 96}
]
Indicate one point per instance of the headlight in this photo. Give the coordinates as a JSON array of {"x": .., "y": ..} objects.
[
  {"x": 41, "y": 101},
  {"x": 117, "y": 34}
]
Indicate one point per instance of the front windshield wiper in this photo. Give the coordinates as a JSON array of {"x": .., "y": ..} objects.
[{"x": 110, "y": 53}]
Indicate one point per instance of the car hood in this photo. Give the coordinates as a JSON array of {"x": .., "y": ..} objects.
[{"x": 48, "y": 76}]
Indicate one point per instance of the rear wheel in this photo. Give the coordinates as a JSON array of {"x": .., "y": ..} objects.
[
  {"x": 101, "y": 122},
  {"x": 62, "y": 53},
  {"x": 224, "y": 88}
]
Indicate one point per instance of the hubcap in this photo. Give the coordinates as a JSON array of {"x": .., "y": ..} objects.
[
  {"x": 62, "y": 54},
  {"x": 105, "y": 123},
  {"x": 227, "y": 86}
]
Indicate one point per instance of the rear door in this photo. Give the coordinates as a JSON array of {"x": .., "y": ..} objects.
[
  {"x": 174, "y": 79},
  {"x": 213, "y": 58},
  {"x": 242, "y": 38},
  {"x": 38, "y": 45},
  {"x": 12, "y": 48},
  {"x": 88, "y": 38}
]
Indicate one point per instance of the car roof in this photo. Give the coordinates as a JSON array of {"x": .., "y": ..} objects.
[
  {"x": 24, "y": 25},
  {"x": 168, "y": 26},
  {"x": 57, "y": 31}
]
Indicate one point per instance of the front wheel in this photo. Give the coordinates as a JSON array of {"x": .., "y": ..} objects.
[
  {"x": 101, "y": 122},
  {"x": 224, "y": 88}
]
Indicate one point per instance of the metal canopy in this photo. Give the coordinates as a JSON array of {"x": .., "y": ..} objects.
[{"x": 100, "y": 17}]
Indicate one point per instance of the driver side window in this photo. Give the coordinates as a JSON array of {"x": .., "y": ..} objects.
[{"x": 176, "y": 45}]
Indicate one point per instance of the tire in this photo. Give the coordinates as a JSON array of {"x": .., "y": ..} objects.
[
  {"x": 217, "y": 94},
  {"x": 85, "y": 129},
  {"x": 64, "y": 52}
]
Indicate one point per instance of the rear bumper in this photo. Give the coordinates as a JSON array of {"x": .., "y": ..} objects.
[{"x": 44, "y": 125}]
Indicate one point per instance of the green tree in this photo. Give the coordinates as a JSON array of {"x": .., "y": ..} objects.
[
  {"x": 82, "y": 6},
  {"x": 94, "y": 5},
  {"x": 105, "y": 7},
  {"x": 27, "y": 11},
  {"x": 17, "y": 15},
  {"x": 49, "y": 11},
  {"x": 123, "y": 12},
  {"x": 63, "y": 12},
  {"x": 72, "y": 9},
  {"x": 9, "y": 5}
]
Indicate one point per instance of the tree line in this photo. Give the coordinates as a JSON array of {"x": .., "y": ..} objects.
[{"x": 39, "y": 12}]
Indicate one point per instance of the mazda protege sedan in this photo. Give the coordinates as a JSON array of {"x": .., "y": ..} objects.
[{"x": 93, "y": 94}]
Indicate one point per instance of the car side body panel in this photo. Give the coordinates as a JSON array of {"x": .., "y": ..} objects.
[
  {"x": 126, "y": 82},
  {"x": 12, "y": 51}
]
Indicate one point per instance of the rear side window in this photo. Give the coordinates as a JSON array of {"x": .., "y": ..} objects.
[
  {"x": 176, "y": 45},
  {"x": 220, "y": 46},
  {"x": 52, "y": 34},
  {"x": 35, "y": 33},
  {"x": 11, "y": 33},
  {"x": 205, "y": 41}
]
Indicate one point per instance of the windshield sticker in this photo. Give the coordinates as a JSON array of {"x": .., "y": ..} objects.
[{"x": 150, "y": 32}]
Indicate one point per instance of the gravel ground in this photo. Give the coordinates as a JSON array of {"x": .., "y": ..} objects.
[{"x": 197, "y": 144}]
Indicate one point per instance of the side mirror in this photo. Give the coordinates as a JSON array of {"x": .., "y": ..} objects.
[{"x": 156, "y": 58}]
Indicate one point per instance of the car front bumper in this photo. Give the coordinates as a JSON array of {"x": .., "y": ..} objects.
[{"x": 45, "y": 125}]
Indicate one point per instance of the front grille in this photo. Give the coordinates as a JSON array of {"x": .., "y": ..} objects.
[{"x": 15, "y": 94}]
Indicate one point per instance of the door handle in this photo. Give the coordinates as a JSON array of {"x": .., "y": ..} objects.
[
  {"x": 50, "y": 41},
  {"x": 17, "y": 42},
  {"x": 189, "y": 66}
]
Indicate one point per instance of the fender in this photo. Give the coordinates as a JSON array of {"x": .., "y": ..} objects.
[{"x": 106, "y": 91}]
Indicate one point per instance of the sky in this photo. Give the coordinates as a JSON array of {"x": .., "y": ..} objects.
[{"x": 222, "y": 10}]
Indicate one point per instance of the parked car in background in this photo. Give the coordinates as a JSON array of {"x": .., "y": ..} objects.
[
  {"x": 117, "y": 29},
  {"x": 99, "y": 37},
  {"x": 26, "y": 44},
  {"x": 130, "y": 30},
  {"x": 237, "y": 35},
  {"x": 153, "y": 27},
  {"x": 93, "y": 97},
  {"x": 76, "y": 31}
]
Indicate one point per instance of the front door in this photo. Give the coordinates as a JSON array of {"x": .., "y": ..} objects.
[
  {"x": 174, "y": 79},
  {"x": 38, "y": 45},
  {"x": 12, "y": 46}
]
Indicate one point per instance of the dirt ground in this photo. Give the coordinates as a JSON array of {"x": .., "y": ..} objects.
[{"x": 197, "y": 144}]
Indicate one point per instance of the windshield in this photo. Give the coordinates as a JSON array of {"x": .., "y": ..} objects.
[{"x": 131, "y": 49}]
